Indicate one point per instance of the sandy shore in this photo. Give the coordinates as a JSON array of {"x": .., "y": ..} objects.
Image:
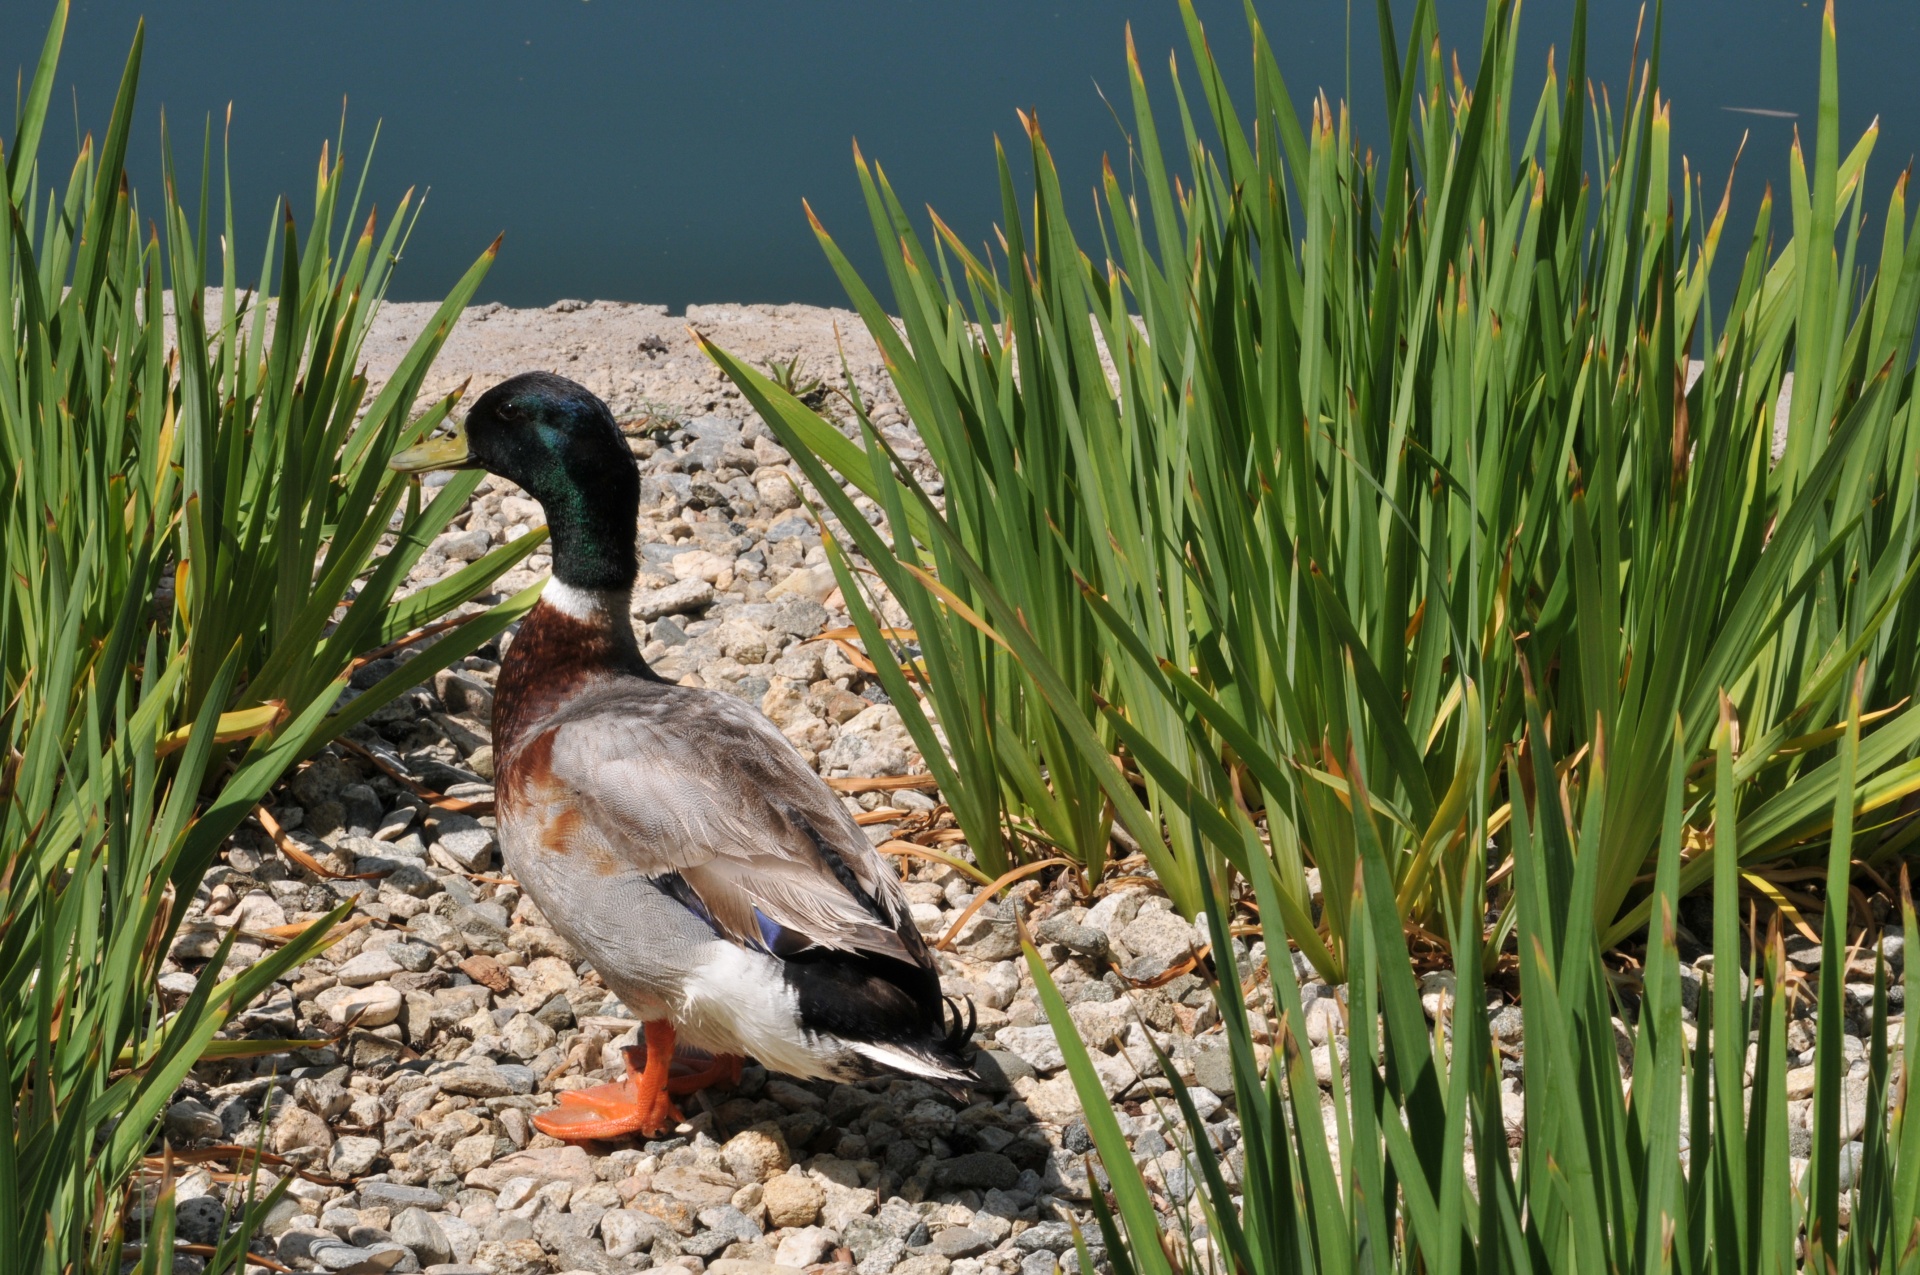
[{"x": 639, "y": 358}]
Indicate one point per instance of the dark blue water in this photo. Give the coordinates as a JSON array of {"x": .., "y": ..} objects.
[{"x": 651, "y": 151}]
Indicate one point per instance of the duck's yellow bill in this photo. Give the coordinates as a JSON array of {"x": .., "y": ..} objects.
[{"x": 449, "y": 451}]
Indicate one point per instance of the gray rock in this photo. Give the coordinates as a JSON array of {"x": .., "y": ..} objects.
[
  {"x": 189, "y": 1120},
  {"x": 478, "y": 930},
  {"x": 730, "y": 1221},
  {"x": 798, "y": 617},
  {"x": 1507, "y": 1023},
  {"x": 960, "y": 1241},
  {"x": 200, "y": 1220},
  {"x": 376, "y": 966},
  {"x": 679, "y": 598},
  {"x": 882, "y": 1258},
  {"x": 348, "y": 1259},
  {"x": 1078, "y": 938},
  {"x": 1045, "y": 1235},
  {"x": 706, "y": 1244},
  {"x": 352, "y": 1156},
  {"x": 999, "y": 1069},
  {"x": 417, "y": 1229},
  {"x": 486, "y": 1080},
  {"x": 470, "y": 845},
  {"x": 795, "y": 528},
  {"x": 1213, "y": 1064},
  {"x": 363, "y": 808},
  {"x": 1038, "y": 1262},
  {"x": 398, "y": 1196},
  {"x": 1159, "y": 940},
  {"x": 658, "y": 489},
  {"x": 625, "y": 1231},
  {"x": 1036, "y": 1045},
  {"x": 998, "y": 941},
  {"x": 925, "y": 1264},
  {"x": 1851, "y": 1156}
]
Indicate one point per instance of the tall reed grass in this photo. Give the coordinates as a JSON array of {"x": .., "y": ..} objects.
[
  {"x": 1323, "y": 448},
  {"x": 200, "y": 537}
]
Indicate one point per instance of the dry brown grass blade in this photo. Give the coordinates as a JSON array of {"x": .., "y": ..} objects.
[
  {"x": 985, "y": 896},
  {"x": 295, "y": 851},
  {"x": 883, "y": 783}
]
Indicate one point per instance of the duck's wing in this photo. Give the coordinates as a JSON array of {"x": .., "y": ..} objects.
[{"x": 702, "y": 794}]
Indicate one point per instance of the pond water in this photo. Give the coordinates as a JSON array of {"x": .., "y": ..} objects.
[{"x": 652, "y": 151}]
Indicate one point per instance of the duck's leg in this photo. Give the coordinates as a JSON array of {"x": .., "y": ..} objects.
[
  {"x": 639, "y": 1104},
  {"x": 723, "y": 1070}
]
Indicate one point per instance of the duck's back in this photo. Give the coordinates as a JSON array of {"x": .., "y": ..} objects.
[{"x": 676, "y": 837}]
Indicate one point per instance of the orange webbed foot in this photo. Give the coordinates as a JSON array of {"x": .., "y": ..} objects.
[
  {"x": 639, "y": 1104},
  {"x": 723, "y": 1070}
]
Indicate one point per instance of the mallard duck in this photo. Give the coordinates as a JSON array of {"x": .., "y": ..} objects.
[{"x": 672, "y": 834}]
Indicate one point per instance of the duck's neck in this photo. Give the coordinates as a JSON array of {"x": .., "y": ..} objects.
[{"x": 580, "y": 630}]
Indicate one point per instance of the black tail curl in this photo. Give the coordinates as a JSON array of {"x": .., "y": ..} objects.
[{"x": 960, "y": 1034}]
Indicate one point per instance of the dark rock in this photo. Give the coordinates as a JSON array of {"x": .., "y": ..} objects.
[
  {"x": 201, "y": 1220},
  {"x": 980, "y": 1169},
  {"x": 557, "y": 1013},
  {"x": 998, "y": 1070}
]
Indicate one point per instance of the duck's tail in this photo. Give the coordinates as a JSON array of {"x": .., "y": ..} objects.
[{"x": 944, "y": 1061}]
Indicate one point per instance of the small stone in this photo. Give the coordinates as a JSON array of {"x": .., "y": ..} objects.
[
  {"x": 200, "y": 1220},
  {"x": 487, "y": 972},
  {"x": 925, "y": 1264},
  {"x": 1078, "y": 938},
  {"x": 998, "y": 1069},
  {"x": 352, "y": 1156},
  {"x": 486, "y": 1080},
  {"x": 805, "y": 1247},
  {"x": 979, "y": 1169},
  {"x": 793, "y": 1200},
  {"x": 368, "y": 967},
  {"x": 960, "y": 1241},
  {"x": 798, "y": 616},
  {"x": 462, "y": 837},
  {"x": 417, "y": 1229},
  {"x": 471, "y": 1152},
  {"x": 1158, "y": 940},
  {"x": 375, "y": 1005},
  {"x": 1036, "y": 1046},
  {"x": 1038, "y": 1262},
  {"x": 625, "y": 1231},
  {"x": 189, "y": 1120},
  {"x": 399, "y": 1197},
  {"x": 679, "y": 598},
  {"x": 757, "y": 1155},
  {"x": 297, "y": 1129}
]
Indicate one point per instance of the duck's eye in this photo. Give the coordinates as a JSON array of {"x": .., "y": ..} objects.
[{"x": 509, "y": 411}]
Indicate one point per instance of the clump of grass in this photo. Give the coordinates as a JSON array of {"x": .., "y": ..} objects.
[
  {"x": 200, "y": 537},
  {"x": 1677, "y": 1161},
  {"x": 1329, "y": 444},
  {"x": 1405, "y": 514}
]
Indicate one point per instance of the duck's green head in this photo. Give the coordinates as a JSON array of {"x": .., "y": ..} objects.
[{"x": 558, "y": 441}]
